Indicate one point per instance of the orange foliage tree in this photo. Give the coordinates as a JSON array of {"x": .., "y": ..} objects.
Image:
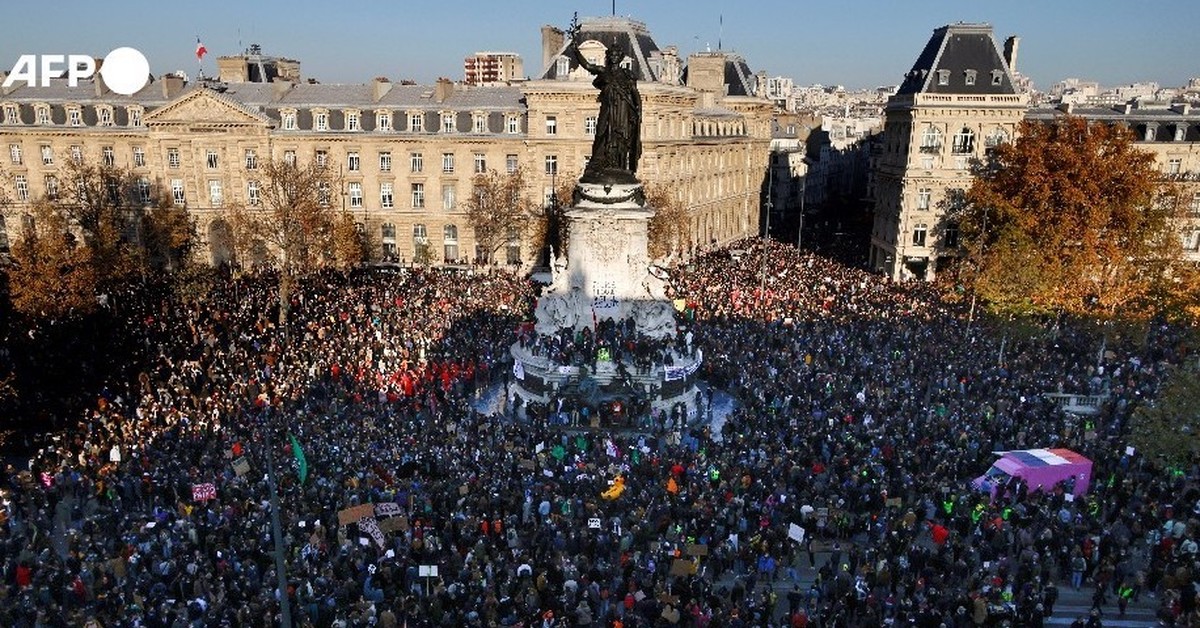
[{"x": 1072, "y": 217}]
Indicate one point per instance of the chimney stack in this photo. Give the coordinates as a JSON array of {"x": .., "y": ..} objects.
[
  {"x": 552, "y": 41},
  {"x": 279, "y": 88},
  {"x": 443, "y": 89},
  {"x": 1010, "y": 52},
  {"x": 171, "y": 85},
  {"x": 380, "y": 87}
]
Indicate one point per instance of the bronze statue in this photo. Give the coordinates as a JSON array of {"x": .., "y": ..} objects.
[{"x": 618, "y": 143}]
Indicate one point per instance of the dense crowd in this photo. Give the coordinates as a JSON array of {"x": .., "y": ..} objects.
[{"x": 864, "y": 410}]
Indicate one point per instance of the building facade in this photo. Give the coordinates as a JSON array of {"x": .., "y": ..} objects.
[
  {"x": 493, "y": 68},
  {"x": 959, "y": 100},
  {"x": 404, "y": 155}
]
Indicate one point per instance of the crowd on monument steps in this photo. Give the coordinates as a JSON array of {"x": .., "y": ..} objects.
[{"x": 863, "y": 409}]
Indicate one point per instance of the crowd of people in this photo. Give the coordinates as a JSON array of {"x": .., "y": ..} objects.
[{"x": 864, "y": 409}]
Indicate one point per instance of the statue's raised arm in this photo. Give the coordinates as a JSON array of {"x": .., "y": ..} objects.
[
  {"x": 617, "y": 145},
  {"x": 573, "y": 50}
]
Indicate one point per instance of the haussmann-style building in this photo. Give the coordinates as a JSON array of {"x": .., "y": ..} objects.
[{"x": 405, "y": 154}]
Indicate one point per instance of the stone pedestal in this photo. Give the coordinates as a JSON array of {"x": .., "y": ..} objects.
[{"x": 606, "y": 275}]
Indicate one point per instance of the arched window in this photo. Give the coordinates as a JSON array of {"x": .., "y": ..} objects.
[
  {"x": 450, "y": 243},
  {"x": 931, "y": 140},
  {"x": 995, "y": 138},
  {"x": 964, "y": 142},
  {"x": 420, "y": 244},
  {"x": 513, "y": 248},
  {"x": 388, "y": 233}
]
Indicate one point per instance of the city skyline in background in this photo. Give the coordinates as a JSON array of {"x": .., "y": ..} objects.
[{"x": 872, "y": 45}]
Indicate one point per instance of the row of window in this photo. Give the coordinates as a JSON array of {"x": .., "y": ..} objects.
[
  {"x": 964, "y": 140},
  {"x": 212, "y": 159},
  {"x": 104, "y": 115},
  {"x": 354, "y": 193},
  {"x": 969, "y": 77},
  {"x": 289, "y": 121},
  {"x": 421, "y": 246}
]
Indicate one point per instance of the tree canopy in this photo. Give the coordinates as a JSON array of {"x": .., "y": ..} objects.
[
  {"x": 1072, "y": 217},
  {"x": 1167, "y": 430},
  {"x": 499, "y": 207},
  {"x": 296, "y": 221}
]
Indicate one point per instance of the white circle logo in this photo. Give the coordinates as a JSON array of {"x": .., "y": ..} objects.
[{"x": 125, "y": 71}]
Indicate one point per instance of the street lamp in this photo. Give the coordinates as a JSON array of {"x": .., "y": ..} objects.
[{"x": 285, "y": 608}]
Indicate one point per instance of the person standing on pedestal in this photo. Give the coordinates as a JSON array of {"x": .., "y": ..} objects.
[{"x": 618, "y": 144}]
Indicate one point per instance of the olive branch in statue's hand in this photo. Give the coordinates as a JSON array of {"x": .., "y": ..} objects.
[{"x": 573, "y": 29}]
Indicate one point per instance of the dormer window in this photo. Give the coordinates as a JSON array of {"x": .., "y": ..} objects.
[
  {"x": 10, "y": 115},
  {"x": 135, "y": 116},
  {"x": 43, "y": 114},
  {"x": 288, "y": 120},
  {"x": 320, "y": 120},
  {"x": 383, "y": 121},
  {"x": 943, "y": 77},
  {"x": 448, "y": 125},
  {"x": 970, "y": 77},
  {"x": 416, "y": 122},
  {"x": 106, "y": 116},
  {"x": 352, "y": 121},
  {"x": 75, "y": 116},
  {"x": 563, "y": 67},
  {"x": 997, "y": 77},
  {"x": 479, "y": 123}
]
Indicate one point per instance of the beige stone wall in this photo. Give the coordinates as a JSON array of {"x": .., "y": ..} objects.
[
  {"x": 913, "y": 178},
  {"x": 715, "y": 164}
]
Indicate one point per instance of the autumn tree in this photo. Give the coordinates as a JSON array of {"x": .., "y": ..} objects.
[
  {"x": 101, "y": 205},
  {"x": 500, "y": 207},
  {"x": 168, "y": 235},
  {"x": 1071, "y": 217},
  {"x": 669, "y": 228},
  {"x": 351, "y": 246},
  {"x": 295, "y": 221},
  {"x": 53, "y": 273},
  {"x": 1167, "y": 429}
]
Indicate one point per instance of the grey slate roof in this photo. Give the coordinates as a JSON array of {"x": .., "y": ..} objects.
[
  {"x": 631, "y": 35},
  {"x": 958, "y": 48}
]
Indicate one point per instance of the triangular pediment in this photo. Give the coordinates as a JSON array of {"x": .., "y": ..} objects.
[{"x": 205, "y": 106}]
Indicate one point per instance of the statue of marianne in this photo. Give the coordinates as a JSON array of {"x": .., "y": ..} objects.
[{"x": 618, "y": 143}]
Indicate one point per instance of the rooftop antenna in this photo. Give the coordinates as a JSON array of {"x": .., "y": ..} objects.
[
  {"x": 720, "y": 29},
  {"x": 614, "y": 8}
]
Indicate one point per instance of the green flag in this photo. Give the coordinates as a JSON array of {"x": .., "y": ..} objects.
[{"x": 301, "y": 461}]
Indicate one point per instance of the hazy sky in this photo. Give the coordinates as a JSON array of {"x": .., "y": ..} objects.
[{"x": 861, "y": 43}]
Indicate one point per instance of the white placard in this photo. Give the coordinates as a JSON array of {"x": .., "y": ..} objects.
[
  {"x": 795, "y": 533},
  {"x": 594, "y": 523}
]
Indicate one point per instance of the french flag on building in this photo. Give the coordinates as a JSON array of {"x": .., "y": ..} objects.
[{"x": 200, "y": 50}]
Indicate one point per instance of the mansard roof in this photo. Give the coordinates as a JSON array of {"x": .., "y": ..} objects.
[
  {"x": 957, "y": 50},
  {"x": 631, "y": 35}
]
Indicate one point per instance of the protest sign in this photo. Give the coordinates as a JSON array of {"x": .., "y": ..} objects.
[
  {"x": 354, "y": 513},
  {"x": 204, "y": 492}
]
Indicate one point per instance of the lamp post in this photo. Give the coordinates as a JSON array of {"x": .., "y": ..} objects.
[
  {"x": 285, "y": 608},
  {"x": 800, "y": 231},
  {"x": 762, "y": 280}
]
